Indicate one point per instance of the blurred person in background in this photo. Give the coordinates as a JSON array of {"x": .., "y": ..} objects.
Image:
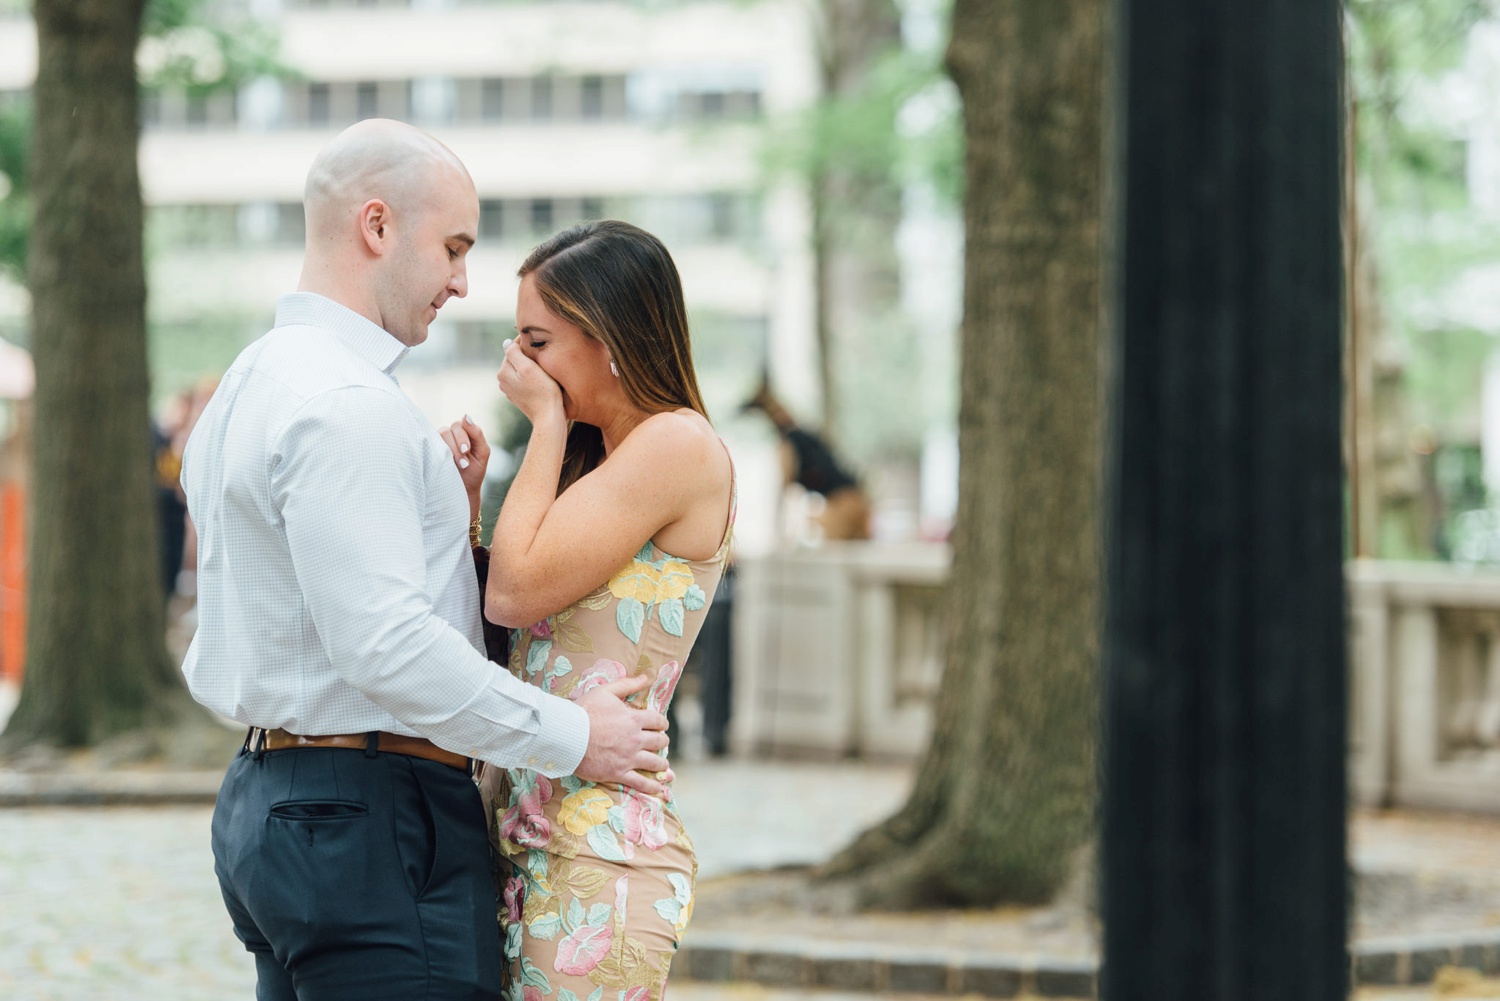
[
  {"x": 339, "y": 615},
  {"x": 608, "y": 551}
]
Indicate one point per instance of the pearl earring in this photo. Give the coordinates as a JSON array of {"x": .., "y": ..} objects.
[{"x": 614, "y": 369}]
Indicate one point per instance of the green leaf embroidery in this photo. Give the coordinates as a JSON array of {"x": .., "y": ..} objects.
[
  {"x": 695, "y": 598},
  {"x": 546, "y": 927},
  {"x": 669, "y": 909},
  {"x": 630, "y": 616},
  {"x": 671, "y": 615},
  {"x": 599, "y": 915},
  {"x": 604, "y": 844},
  {"x": 532, "y": 977},
  {"x": 576, "y": 916},
  {"x": 536, "y": 657}
]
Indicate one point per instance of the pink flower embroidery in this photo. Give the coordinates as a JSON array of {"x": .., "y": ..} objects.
[
  {"x": 524, "y": 823},
  {"x": 638, "y": 994},
  {"x": 603, "y": 672},
  {"x": 645, "y": 823},
  {"x": 583, "y": 950},
  {"x": 514, "y": 895},
  {"x": 664, "y": 685},
  {"x": 530, "y": 993},
  {"x": 542, "y": 630}
]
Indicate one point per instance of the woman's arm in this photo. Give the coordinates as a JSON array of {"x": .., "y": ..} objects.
[{"x": 549, "y": 550}]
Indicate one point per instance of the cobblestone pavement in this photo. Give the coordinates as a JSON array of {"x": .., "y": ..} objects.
[{"x": 121, "y": 904}]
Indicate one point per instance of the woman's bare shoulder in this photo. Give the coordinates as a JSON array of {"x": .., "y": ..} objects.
[{"x": 684, "y": 442}]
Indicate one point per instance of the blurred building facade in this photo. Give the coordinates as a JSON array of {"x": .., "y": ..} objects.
[{"x": 563, "y": 111}]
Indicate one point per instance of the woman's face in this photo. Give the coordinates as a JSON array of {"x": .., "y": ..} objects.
[{"x": 575, "y": 361}]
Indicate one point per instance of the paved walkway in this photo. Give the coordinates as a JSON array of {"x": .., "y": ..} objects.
[{"x": 120, "y": 902}]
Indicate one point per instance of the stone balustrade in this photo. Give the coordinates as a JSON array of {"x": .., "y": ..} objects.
[
  {"x": 838, "y": 652},
  {"x": 1425, "y": 692}
]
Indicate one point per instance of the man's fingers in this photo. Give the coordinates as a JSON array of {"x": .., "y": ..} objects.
[
  {"x": 626, "y": 687},
  {"x": 643, "y": 784},
  {"x": 650, "y": 763}
]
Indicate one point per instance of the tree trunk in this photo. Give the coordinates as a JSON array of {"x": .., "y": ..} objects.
[
  {"x": 96, "y": 659},
  {"x": 854, "y": 217},
  {"x": 1005, "y": 794}
]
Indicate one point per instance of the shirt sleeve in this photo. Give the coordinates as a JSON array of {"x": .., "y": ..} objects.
[{"x": 348, "y": 482}]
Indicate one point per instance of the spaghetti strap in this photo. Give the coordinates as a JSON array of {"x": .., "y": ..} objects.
[{"x": 734, "y": 502}]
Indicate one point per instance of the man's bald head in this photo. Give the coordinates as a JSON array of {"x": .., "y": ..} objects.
[
  {"x": 376, "y": 158},
  {"x": 391, "y": 215}
]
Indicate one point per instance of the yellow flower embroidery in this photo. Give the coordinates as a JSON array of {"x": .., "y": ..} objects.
[
  {"x": 648, "y": 583},
  {"x": 583, "y": 810},
  {"x": 636, "y": 580},
  {"x": 675, "y": 580}
]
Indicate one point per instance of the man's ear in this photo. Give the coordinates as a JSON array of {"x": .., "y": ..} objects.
[{"x": 375, "y": 225}]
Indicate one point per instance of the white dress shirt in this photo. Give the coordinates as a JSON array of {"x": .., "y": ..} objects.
[{"x": 336, "y": 591}]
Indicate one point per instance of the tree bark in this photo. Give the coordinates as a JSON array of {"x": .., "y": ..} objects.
[
  {"x": 96, "y": 659},
  {"x": 854, "y": 217},
  {"x": 1005, "y": 794}
]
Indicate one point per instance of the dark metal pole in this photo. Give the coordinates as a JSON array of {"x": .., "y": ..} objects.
[{"x": 1223, "y": 848}]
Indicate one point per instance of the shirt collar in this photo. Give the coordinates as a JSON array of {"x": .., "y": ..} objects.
[{"x": 366, "y": 339}]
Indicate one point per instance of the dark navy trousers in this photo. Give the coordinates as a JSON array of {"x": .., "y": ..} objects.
[{"x": 357, "y": 875}]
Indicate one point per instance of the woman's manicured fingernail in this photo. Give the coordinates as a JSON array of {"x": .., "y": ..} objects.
[
  {"x": 468, "y": 419},
  {"x": 463, "y": 463},
  {"x": 464, "y": 447},
  {"x": 507, "y": 343}
]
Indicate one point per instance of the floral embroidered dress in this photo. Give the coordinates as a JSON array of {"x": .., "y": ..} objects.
[{"x": 603, "y": 883}]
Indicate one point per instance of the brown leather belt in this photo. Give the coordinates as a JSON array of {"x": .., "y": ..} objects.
[{"x": 391, "y": 743}]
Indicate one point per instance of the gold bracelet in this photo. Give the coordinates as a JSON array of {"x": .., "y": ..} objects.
[{"x": 474, "y": 531}]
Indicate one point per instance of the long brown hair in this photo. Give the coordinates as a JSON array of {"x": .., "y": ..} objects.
[{"x": 617, "y": 283}]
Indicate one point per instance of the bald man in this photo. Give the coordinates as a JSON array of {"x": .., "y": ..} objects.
[{"x": 339, "y": 615}]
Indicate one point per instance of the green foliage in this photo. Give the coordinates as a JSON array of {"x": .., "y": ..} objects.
[
  {"x": 902, "y": 127},
  {"x": 1412, "y": 175},
  {"x": 15, "y": 204},
  {"x": 184, "y": 45}
]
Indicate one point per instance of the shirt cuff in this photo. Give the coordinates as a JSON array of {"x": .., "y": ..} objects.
[{"x": 559, "y": 745}]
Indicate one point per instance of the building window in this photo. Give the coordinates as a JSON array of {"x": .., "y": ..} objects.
[
  {"x": 591, "y": 97},
  {"x": 491, "y": 219},
  {"x": 366, "y": 100},
  {"x": 543, "y": 213},
  {"x": 478, "y": 342},
  {"x": 319, "y": 104},
  {"x": 492, "y": 99},
  {"x": 291, "y": 224},
  {"x": 541, "y": 98},
  {"x": 177, "y": 110}
]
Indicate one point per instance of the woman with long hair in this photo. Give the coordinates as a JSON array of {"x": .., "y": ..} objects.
[{"x": 606, "y": 555}]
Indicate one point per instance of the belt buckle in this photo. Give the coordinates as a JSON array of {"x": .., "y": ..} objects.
[{"x": 255, "y": 741}]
